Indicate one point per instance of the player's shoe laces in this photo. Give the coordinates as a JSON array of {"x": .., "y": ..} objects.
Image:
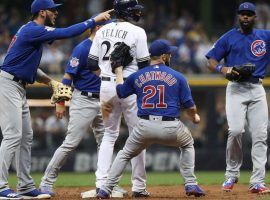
[
  {"x": 35, "y": 194},
  {"x": 141, "y": 194},
  {"x": 194, "y": 190},
  {"x": 47, "y": 190},
  {"x": 228, "y": 184},
  {"x": 259, "y": 188},
  {"x": 9, "y": 194},
  {"x": 102, "y": 194}
]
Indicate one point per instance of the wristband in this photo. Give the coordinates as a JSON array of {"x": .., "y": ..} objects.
[
  {"x": 62, "y": 103},
  {"x": 219, "y": 67},
  {"x": 66, "y": 81}
]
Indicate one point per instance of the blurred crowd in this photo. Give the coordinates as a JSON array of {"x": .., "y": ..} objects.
[{"x": 161, "y": 20}]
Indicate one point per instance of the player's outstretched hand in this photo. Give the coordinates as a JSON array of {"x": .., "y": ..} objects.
[{"x": 103, "y": 16}]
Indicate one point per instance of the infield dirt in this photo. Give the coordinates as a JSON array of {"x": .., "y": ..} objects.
[{"x": 170, "y": 192}]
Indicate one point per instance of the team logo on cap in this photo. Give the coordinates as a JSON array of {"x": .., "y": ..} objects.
[
  {"x": 258, "y": 48},
  {"x": 245, "y": 5},
  {"x": 74, "y": 62}
]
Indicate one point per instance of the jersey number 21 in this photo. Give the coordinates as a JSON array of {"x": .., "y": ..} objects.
[{"x": 150, "y": 91}]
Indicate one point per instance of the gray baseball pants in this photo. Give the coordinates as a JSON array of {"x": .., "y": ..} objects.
[
  {"x": 84, "y": 113},
  {"x": 147, "y": 132},
  {"x": 246, "y": 103},
  {"x": 15, "y": 122}
]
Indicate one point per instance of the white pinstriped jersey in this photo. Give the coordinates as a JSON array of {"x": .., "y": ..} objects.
[{"x": 109, "y": 36}]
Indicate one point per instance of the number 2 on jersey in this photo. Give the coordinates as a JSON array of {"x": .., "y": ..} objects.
[
  {"x": 108, "y": 47},
  {"x": 150, "y": 91}
]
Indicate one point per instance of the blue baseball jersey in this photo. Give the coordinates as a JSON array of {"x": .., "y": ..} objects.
[
  {"x": 237, "y": 48},
  {"x": 83, "y": 79},
  {"x": 25, "y": 50},
  {"x": 160, "y": 91}
]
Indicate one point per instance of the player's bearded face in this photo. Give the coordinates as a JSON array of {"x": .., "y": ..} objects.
[
  {"x": 247, "y": 20},
  {"x": 50, "y": 17}
]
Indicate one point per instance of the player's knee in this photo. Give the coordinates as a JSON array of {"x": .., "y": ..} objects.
[
  {"x": 185, "y": 138},
  {"x": 110, "y": 136}
]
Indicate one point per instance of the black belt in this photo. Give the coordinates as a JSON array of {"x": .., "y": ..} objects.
[
  {"x": 19, "y": 81},
  {"x": 164, "y": 118},
  {"x": 250, "y": 80},
  {"x": 90, "y": 94},
  {"x": 104, "y": 78},
  {"x": 12, "y": 77}
]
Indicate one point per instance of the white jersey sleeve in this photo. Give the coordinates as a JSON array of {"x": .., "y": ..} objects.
[
  {"x": 94, "y": 50},
  {"x": 142, "y": 53}
]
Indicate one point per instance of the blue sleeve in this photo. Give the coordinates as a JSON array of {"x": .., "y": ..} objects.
[
  {"x": 45, "y": 33},
  {"x": 185, "y": 94},
  {"x": 127, "y": 88},
  {"x": 74, "y": 61},
  {"x": 219, "y": 50}
]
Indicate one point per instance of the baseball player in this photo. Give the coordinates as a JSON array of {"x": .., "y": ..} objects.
[
  {"x": 20, "y": 67},
  {"x": 160, "y": 91},
  {"x": 84, "y": 108},
  {"x": 107, "y": 38},
  {"x": 245, "y": 94}
]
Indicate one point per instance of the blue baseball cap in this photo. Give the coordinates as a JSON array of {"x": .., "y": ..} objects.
[
  {"x": 38, "y": 5},
  {"x": 103, "y": 22},
  {"x": 247, "y": 6},
  {"x": 161, "y": 46}
]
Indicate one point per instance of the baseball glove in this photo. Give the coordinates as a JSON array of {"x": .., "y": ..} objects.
[
  {"x": 120, "y": 56},
  {"x": 238, "y": 72},
  {"x": 61, "y": 92}
]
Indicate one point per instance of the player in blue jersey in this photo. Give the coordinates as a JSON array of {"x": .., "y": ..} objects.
[
  {"x": 161, "y": 91},
  {"x": 246, "y": 96},
  {"x": 20, "y": 67},
  {"x": 84, "y": 108}
]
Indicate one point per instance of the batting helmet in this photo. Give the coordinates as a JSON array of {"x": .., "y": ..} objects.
[{"x": 127, "y": 9}]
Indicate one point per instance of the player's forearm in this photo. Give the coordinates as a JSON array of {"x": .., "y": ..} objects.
[
  {"x": 119, "y": 75},
  {"x": 214, "y": 65},
  {"x": 42, "y": 77}
]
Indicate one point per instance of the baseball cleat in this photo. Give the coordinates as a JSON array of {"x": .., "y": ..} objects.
[
  {"x": 47, "y": 190},
  {"x": 227, "y": 186},
  {"x": 141, "y": 194},
  {"x": 119, "y": 192},
  {"x": 194, "y": 190},
  {"x": 102, "y": 194},
  {"x": 10, "y": 194},
  {"x": 259, "y": 188},
  {"x": 35, "y": 194},
  {"x": 90, "y": 193}
]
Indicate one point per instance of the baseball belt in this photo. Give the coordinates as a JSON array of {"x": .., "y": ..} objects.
[{"x": 12, "y": 77}]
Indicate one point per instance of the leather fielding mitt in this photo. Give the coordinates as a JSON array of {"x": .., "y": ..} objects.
[
  {"x": 61, "y": 92},
  {"x": 238, "y": 72},
  {"x": 120, "y": 56}
]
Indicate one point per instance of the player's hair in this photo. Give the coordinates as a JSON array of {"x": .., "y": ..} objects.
[{"x": 34, "y": 16}]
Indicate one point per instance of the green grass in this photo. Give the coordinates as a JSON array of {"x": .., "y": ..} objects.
[{"x": 153, "y": 178}]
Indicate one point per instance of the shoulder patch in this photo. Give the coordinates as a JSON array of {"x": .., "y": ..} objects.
[
  {"x": 48, "y": 28},
  {"x": 74, "y": 62}
]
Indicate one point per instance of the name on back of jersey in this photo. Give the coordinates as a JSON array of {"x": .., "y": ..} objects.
[
  {"x": 155, "y": 75},
  {"x": 116, "y": 33}
]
